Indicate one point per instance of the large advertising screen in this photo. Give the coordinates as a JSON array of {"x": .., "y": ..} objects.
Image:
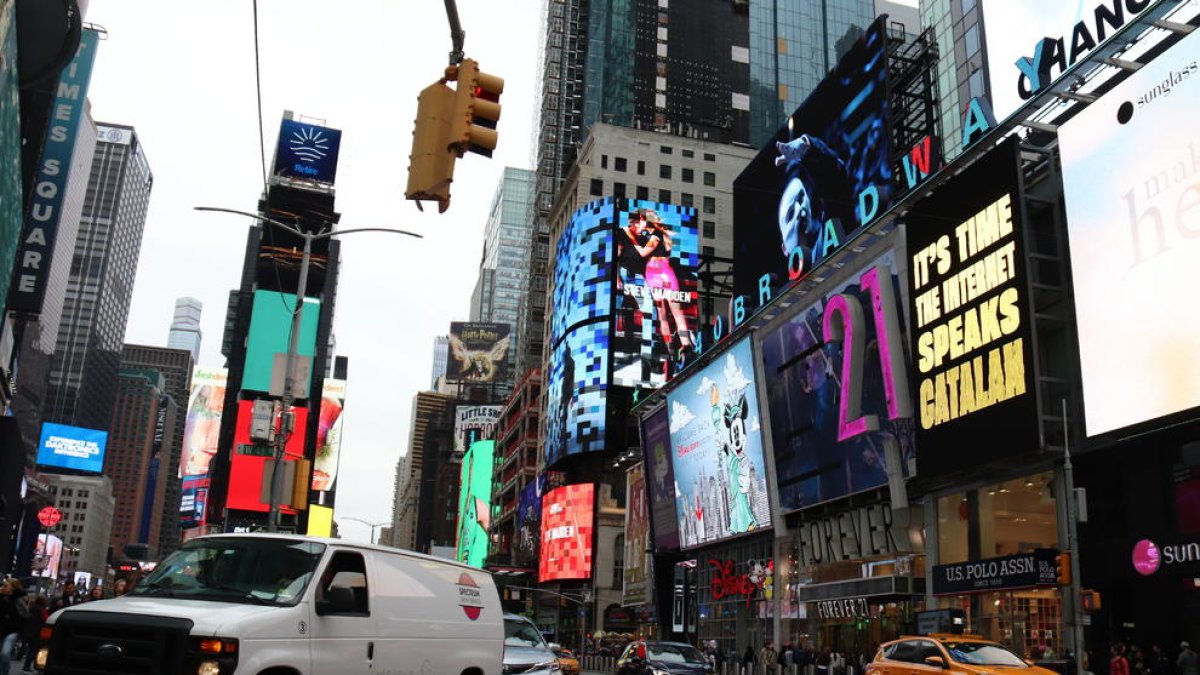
[
  {"x": 270, "y": 329},
  {"x": 529, "y": 521},
  {"x": 576, "y": 393},
  {"x": 248, "y": 462},
  {"x": 74, "y": 448},
  {"x": 567, "y": 525},
  {"x": 636, "y": 573},
  {"x": 202, "y": 428},
  {"x": 473, "y": 423},
  {"x": 478, "y": 352},
  {"x": 660, "y": 479},
  {"x": 329, "y": 434},
  {"x": 823, "y": 176},
  {"x": 837, "y": 389},
  {"x": 47, "y": 557},
  {"x": 1134, "y": 245},
  {"x": 971, "y": 319},
  {"x": 307, "y": 151},
  {"x": 475, "y": 503},
  {"x": 717, "y": 451}
]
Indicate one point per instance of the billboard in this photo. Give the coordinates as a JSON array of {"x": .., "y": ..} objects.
[
  {"x": 576, "y": 393},
  {"x": 475, "y": 503},
  {"x": 1134, "y": 245},
  {"x": 329, "y": 434},
  {"x": 717, "y": 450},
  {"x": 478, "y": 352},
  {"x": 823, "y": 176},
  {"x": 660, "y": 479},
  {"x": 248, "y": 461},
  {"x": 202, "y": 427},
  {"x": 567, "y": 526},
  {"x": 307, "y": 152},
  {"x": 10, "y": 148},
  {"x": 636, "y": 572},
  {"x": 193, "y": 501},
  {"x": 47, "y": 557},
  {"x": 473, "y": 423},
  {"x": 971, "y": 319},
  {"x": 31, "y": 268},
  {"x": 837, "y": 388},
  {"x": 529, "y": 521},
  {"x": 75, "y": 448},
  {"x": 270, "y": 330}
]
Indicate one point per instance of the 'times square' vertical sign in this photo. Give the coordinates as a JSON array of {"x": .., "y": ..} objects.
[{"x": 971, "y": 336}]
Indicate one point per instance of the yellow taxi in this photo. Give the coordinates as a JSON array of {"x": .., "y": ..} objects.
[
  {"x": 959, "y": 654},
  {"x": 567, "y": 663}
]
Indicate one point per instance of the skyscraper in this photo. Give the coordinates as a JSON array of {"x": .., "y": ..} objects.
[
  {"x": 441, "y": 351},
  {"x": 185, "y": 326},
  {"x": 83, "y": 374},
  {"x": 962, "y": 63}
]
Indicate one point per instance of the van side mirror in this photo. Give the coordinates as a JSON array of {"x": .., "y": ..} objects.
[
  {"x": 337, "y": 600},
  {"x": 935, "y": 661}
]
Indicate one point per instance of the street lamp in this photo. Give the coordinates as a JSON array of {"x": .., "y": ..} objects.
[
  {"x": 367, "y": 523},
  {"x": 290, "y": 362}
]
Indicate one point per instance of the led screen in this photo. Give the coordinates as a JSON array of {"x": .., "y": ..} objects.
[
  {"x": 473, "y": 423},
  {"x": 576, "y": 392},
  {"x": 47, "y": 557},
  {"x": 656, "y": 444},
  {"x": 202, "y": 429},
  {"x": 307, "y": 151},
  {"x": 636, "y": 572},
  {"x": 270, "y": 328},
  {"x": 193, "y": 500},
  {"x": 329, "y": 434},
  {"x": 821, "y": 452},
  {"x": 475, "y": 503},
  {"x": 583, "y": 273},
  {"x": 74, "y": 448},
  {"x": 1134, "y": 247},
  {"x": 971, "y": 338},
  {"x": 823, "y": 176},
  {"x": 567, "y": 523},
  {"x": 478, "y": 352},
  {"x": 529, "y": 521},
  {"x": 247, "y": 462},
  {"x": 717, "y": 450}
]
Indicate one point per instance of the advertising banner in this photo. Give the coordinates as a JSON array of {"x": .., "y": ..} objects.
[
  {"x": 1024, "y": 570},
  {"x": 478, "y": 352},
  {"x": 636, "y": 573},
  {"x": 576, "y": 393},
  {"x": 473, "y": 423},
  {"x": 475, "y": 503},
  {"x": 193, "y": 501},
  {"x": 75, "y": 448},
  {"x": 837, "y": 389},
  {"x": 824, "y": 175},
  {"x": 270, "y": 328},
  {"x": 32, "y": 264},
  {"x": 202, "y": 429},
  {"x": 248, "y": 461},
  {"x": 307, "y": 152},
  {"x": 717, "y": 451},
  {"x": 529, "y": 521},
  {"x": 567, "y": 522},
  {"x": 329, "y": 435},
  {"x": 1135, "y": 240},
  {"x": 660, "y": 480},
  {"x": 971, "y": 319},
  {"x": 47, "y": 556}
]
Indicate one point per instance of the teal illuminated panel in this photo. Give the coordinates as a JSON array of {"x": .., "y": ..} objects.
[{"x": 270, "y": 330}]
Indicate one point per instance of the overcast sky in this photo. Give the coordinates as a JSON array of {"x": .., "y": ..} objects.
[{"x": 183, "y": 75}]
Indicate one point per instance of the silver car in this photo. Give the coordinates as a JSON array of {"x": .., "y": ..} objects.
[{"x": 525, "y": 650}]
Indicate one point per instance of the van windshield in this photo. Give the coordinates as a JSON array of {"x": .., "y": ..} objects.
[
  {"x": 236, "y": 569},
  {"x": 522, "y": 634}
]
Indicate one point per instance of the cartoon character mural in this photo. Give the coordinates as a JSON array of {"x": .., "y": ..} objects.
[{"x": 729, "y": 420}]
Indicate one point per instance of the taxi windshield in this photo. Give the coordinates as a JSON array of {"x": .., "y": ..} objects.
[
  {"x": 236, "y": 569},
  {"x": 983, "y": 654}
]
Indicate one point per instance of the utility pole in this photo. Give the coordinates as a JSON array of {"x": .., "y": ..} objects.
[{"x": 1075, "y": 627}]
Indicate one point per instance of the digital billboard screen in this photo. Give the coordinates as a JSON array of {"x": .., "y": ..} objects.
[
  {"x": 717, "y": 450},
  {"x": 202, "y": 428},
  {"x": 567, "y": 526},
  {"x": 837, "y": 388},
  {"x": 825, "y": 174},
  {"x": 971, "y": 335},
  {"x": 270, "y": 329},
  {"x": 248, "y": 461},
  {"x": 478, "y": 352},
  {"x": 193, "y": 500},
  {"x": 636, "y": 571},
  {"x": 329, "y": 434},
  {"x": 307, "y": 151},
  {"x": 576, "y": 393},
  {"x": 473, "y": 423},
  {"x": 1134, "y": 247},
  {"x": 74, "y": 448},
  {"x": 529, "y": 521},
  {"x": 475, "y": 503},
  {"x": 660, "y": 479}
]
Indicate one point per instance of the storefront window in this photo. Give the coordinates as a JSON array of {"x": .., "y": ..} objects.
[{"x": 734, "y": 587}]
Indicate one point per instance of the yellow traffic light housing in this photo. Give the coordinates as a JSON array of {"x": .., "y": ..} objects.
[
  {"x": 476, "y": 109},
  {"x": 431, "y": 164},
  {"x": 1062, "y": 568}
]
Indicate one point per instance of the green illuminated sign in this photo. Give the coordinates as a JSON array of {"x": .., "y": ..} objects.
[{"x": 474, "y": 503}]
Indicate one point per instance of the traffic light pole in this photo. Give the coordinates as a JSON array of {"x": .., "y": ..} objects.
[
  {"x": 457, "y": 36},
  {"x": 1075, "y": 627}
]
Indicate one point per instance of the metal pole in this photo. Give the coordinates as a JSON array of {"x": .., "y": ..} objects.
[
  {"x": 457, "y": 36},
  {"x": 289, "y": 373},
  {"x": 1075, "y": 628}
]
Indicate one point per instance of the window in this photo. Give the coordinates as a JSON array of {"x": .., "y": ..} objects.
[
  {"x": 708, "y": 251},
  {"x": 689, "y": 176},
  {"x": 597, "y": 187},
  {"x": 710, "y": 229},
  {"x": 619, "y": 562},
  {"x": 666, "y": 149},
  {"x": 344, "y": 586},
  {"x": 619, "y": 164},
  {"x": 664, "y": 196},
  {"x": 975, "y": 84},
  {"x": 708, "y": 157},
  {"x": 603, "y": 161},
  {"x": 618, "y": 190},
  {"x": 710, "y": 179},
  {"x": 641, "y": 167},
  {"x": 971, "y": 41},
  {"x": 686, "y": 199},
  {"x": 664, "y": 171},
  {"x": 710, "y": 205},
  {"x": 643, "y": 192},
  {"x": 689, "y": 153}
]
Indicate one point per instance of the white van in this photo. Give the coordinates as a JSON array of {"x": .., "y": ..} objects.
[{"x": 276, "y": 604}]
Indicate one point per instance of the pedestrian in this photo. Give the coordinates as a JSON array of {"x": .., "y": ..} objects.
[
  {"x": 785, "y": 654},
  {"x": 1187, "y": 661},
  {"x": 14, "y": 614},
  {"x": 748, "y": 657},
  {"x": 825, "y": 659},
  {"x": 97, "y": 593},
  {"x": 40, "y": 611},
  {"x": 1118, "y": 665},
  {"x": 837, "y": 663},
  {"x": 66, "y": 599},
  {"x": 768, "y": 656}
]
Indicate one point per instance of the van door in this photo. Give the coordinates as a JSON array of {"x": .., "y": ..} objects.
[{"x": 343, "y": 627}]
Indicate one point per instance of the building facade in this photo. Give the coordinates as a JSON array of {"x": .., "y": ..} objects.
[
  {"x": 87, "y": 505},
  {"x": 962, "y": 67},
  {"x": 419, "y": 515},
  {"x": 185, "y": 326}
]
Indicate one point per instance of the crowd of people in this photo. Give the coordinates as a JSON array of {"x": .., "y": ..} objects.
[
  {"x": 22, "y": 615},
  {"x": 1133, "y": 660},
  {"x": 824, "y": 661}
]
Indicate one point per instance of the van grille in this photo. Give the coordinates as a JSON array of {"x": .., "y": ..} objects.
[{"x": 103, "y": 643}]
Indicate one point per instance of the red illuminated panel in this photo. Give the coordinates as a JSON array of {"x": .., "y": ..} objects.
[
  {"x": 246, "y": 470},
  {"x": 567, "y": 522}
]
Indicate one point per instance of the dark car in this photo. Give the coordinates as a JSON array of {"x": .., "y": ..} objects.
[{"x": 649, "y": 657}]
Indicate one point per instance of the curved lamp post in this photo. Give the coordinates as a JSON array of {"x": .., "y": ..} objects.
[{"x": 367, "y": 523}]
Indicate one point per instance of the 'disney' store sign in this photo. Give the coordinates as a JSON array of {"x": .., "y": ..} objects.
[{"x": 1024, "y": 570}]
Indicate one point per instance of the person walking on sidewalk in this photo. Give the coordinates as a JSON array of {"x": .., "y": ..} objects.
[
  {"x": 1188, "y": 663},
  {"x": 14, "y": 613},
  {"x": 39, "y": 611}
]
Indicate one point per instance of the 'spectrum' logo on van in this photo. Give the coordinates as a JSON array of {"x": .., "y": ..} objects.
[{"x": 469, "y": 596}]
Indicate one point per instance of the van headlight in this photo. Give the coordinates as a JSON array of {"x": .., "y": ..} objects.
[{"x": 214, "y": 656}]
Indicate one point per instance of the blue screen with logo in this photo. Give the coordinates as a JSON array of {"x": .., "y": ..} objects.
[
  {"x": 307, "y": 151},
  {"x": 76, "y": 448}
]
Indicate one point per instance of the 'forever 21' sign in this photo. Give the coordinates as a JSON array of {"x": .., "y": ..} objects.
[{"x": 1024, "y": 570}]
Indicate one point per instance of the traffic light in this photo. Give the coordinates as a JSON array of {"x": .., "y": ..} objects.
[
  {"x": 1062, "y": 568},
  {"x": 476, "y": 109},
  {"x": 1090, "y": 600},
  {"x": 431, "y": 164}
]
